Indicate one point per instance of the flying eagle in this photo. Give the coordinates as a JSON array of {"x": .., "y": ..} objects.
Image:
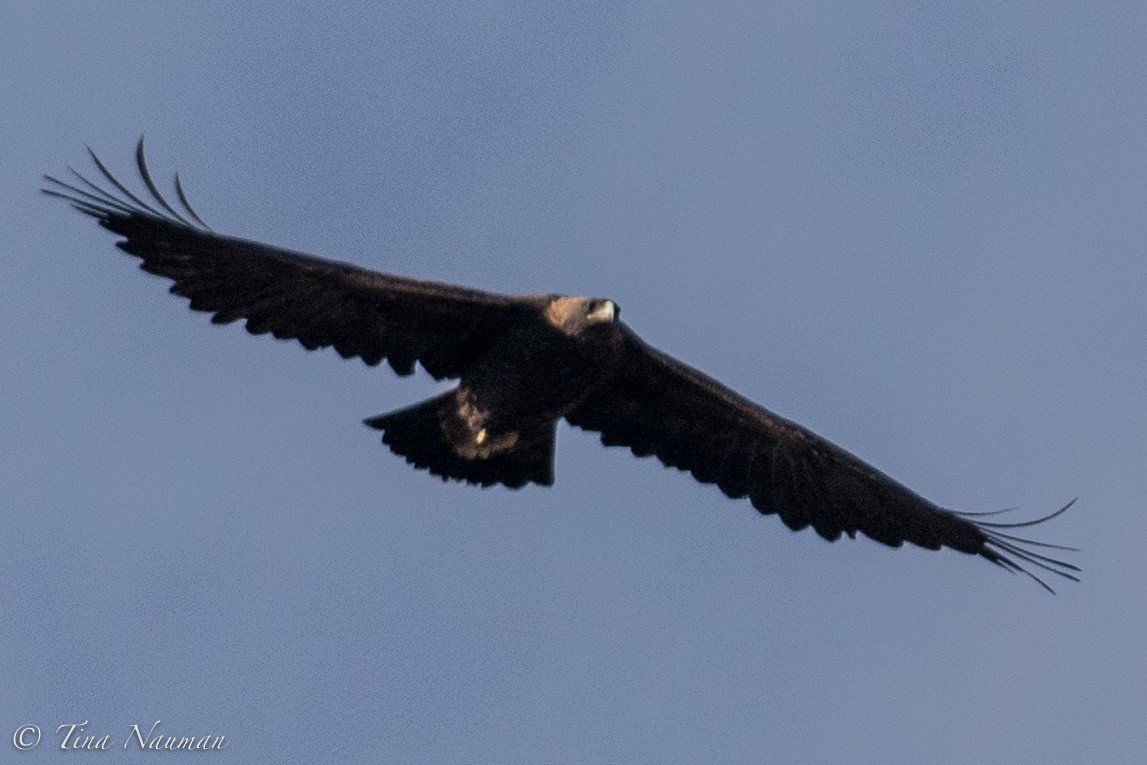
[{"x": 524, "y": 362}]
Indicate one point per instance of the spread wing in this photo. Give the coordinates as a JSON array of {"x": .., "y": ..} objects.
[
  {"x": 656, "y": 405},
  {"x": 318, "y": 302}
]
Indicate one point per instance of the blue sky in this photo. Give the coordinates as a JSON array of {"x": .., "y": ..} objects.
[{"x": 916, "y": 230}]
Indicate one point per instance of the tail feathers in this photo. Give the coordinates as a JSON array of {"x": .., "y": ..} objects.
[{"x": 433, "y": 436}]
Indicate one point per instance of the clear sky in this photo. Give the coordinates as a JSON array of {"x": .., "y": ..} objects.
[{"x": 918, "y": 229}]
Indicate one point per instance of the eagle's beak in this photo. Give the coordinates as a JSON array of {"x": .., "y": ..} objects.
[{"x": 604, "y": 311}]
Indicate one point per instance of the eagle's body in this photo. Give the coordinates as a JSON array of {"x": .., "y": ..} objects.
[
  {"x": 498, "y": 425},
  {"x": 523, "y": 362}
]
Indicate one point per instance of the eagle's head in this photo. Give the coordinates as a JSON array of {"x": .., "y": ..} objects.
[{"x": 574, "y": 315}]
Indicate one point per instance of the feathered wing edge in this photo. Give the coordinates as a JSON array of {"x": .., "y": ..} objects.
[
  {"x": 657, "y": 405},
  {"x": 93, "y": 200},
  {"x": 1000, "y": 545}
]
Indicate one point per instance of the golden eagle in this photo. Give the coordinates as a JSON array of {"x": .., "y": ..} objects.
[{"x": 523, "y": 362}]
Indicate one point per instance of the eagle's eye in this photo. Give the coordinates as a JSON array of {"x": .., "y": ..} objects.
[{"x": 603, "y": 311}]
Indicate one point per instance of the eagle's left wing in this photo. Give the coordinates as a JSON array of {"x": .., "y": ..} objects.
[
  {"x": 320, "y": 303},
  {"x": 656, "y": 405}
]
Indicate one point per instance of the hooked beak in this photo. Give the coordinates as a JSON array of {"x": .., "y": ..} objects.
[{"x": 605, "y": 311}]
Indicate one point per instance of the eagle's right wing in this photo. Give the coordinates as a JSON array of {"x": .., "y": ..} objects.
[
  {"x": 655, "y": 404},
  {"x": 318, "y": 302}
]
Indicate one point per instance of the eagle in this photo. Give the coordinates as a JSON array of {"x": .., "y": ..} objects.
[{"x": 524, "y": 362}]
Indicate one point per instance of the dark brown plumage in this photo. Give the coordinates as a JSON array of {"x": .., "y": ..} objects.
[{"x": 523, "y": 362}]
